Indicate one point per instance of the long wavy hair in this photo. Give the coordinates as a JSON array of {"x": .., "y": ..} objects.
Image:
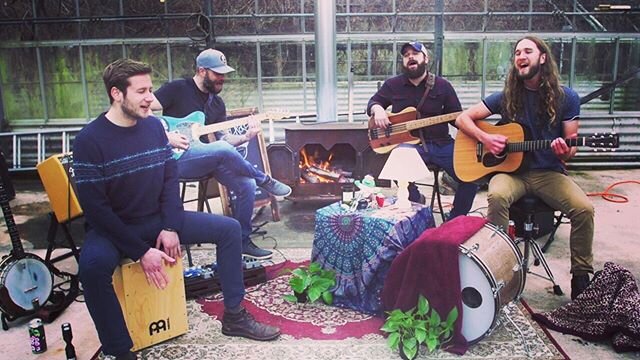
[{"x": 550, "y": 93}]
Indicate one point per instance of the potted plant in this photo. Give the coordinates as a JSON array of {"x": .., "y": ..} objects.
[
  {"x": 312, "y": 283},
  {"x": 419, "y": 325}
]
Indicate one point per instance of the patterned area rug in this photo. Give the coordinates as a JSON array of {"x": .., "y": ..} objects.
[
  {"x": 313, "y": 331},
  {"x": 301, "y": 321}
]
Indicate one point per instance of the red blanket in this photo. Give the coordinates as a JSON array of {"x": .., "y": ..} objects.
[{"x": 429, "y": 266}]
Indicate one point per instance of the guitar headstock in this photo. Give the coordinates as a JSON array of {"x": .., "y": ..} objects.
[
  {"x": 602, "y": 141},
  {"x": 277, "y": 114}
]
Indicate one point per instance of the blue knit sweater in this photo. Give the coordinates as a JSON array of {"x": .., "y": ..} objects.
[{"x": 123, "y": 176}]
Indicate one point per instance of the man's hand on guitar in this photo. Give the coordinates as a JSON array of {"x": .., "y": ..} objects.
[
  {"x": 254, "y": 128},
  {"x": 178, "y": 140},
  {"x": 152, "y": 266},
  {"x": 495, "y": 143},
  {"x": 380, "y": 117},
  {"x": 169, "y": 242},
  {"x": 563, "y": 151}
]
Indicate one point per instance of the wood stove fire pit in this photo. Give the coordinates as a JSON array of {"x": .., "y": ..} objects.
[{"x": 317, "y": 159}]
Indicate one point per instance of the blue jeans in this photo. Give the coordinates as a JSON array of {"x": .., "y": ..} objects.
[
  {"x": 99, "y": 259},
  {"x": 442, "y": 155},
  {"x": 222, "y": 161}
]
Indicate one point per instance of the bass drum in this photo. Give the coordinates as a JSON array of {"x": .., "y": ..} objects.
[
  {"x": 23, "y": 282},
  {"x": 490, "y": 277}
]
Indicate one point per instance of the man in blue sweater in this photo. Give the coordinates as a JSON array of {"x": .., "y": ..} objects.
[
  {"x": 127, "y": 183},
  {"x": 219, "y": 159}
]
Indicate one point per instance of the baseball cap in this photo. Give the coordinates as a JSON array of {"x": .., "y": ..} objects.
[
  {"x": 214, "y": 60},
  {"x": 416, "y": 45}
]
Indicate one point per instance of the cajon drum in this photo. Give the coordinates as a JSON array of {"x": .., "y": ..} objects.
[{"x": 152, "y": 315}]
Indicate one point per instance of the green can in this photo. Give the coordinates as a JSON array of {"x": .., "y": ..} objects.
[{"x": 37, "y": 337}]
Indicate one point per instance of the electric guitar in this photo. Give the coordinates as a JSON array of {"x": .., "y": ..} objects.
[
  {"x": 472, "y": 162},
  {"x": 192, "y": 126},
  {"x": 402, "y": 123},
  {"x": 26, "y": 282}
]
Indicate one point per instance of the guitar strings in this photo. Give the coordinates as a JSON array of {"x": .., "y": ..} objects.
[
  {"x": 402, "y": 127},
  {"x": 397, "y": 128}
]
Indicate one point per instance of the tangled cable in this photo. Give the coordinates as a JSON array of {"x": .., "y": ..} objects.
[{"x": 613, "y": 197}]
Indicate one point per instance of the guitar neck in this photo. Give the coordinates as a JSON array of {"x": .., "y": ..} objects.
[
  {"x": 533, "y": 145},
  {"x": 11, "y": 224},
  {"x": 434, "y": 120},
  {"x": 211, "y": 128}
]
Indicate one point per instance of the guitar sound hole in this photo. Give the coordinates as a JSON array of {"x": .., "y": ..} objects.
[{"x": 490, "y": 160}]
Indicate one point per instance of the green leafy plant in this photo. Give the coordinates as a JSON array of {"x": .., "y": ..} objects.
[
  {"x": 312, "y": 283},
  {"x": 419, "y": 325}
]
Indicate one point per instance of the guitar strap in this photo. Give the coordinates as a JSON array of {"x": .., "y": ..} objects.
[{"x": 431, "y": 80}]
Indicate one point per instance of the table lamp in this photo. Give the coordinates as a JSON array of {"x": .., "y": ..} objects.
[{"x": 404, "y": 165}]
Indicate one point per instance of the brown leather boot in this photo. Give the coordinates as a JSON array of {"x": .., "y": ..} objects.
[{"x": 243, "y": 324}]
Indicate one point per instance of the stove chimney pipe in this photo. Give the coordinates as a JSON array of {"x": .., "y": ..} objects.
[{"x": 325, "y": 47}]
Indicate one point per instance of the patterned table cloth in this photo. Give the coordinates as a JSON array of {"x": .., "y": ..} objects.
[{"x": 360, "y": 246}]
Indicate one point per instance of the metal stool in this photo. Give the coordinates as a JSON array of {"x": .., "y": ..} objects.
[
  {"x": 547, "y": 221},
  {"x": 202, "y": 191},
  {"x": 529, "y": 205}
]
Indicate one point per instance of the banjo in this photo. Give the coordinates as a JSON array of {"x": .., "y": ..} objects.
[{"x": 25, "y": 280}]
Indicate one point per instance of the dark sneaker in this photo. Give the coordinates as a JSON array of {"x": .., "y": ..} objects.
[
  {"x": 578, "y": 284},
  {"x": 253, "y": 251},
  {"x": 275, "y": 187},
  {"x": 243, "y": 324}
]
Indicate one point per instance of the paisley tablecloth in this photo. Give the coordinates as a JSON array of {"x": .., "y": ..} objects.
[{"x": 360, "y": 246}]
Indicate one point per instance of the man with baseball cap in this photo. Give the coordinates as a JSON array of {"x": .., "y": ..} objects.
[
  {"x": 214, "y": 60},
  {"x": 416, "y": 45},
  {"x": 431, "y": 96},
  {"x": 218, "y": 159}
]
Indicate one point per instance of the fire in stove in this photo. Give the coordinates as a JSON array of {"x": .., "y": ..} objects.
[{"x": 318, "y": 166}]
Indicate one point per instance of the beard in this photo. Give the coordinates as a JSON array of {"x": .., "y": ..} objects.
[
  {"x": 213, "y": 87},
  {"x": 414, "y": 74},
  {"x": 533, "y": 70},
  {"x": 129, "y": 110}
]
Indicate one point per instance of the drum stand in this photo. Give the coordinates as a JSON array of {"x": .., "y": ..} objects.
[
  {"x": 530, "y": 244},
  {"x": 507, "y": 314}
]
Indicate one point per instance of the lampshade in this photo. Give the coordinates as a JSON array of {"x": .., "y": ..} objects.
[{"x": 405, "y": 164}]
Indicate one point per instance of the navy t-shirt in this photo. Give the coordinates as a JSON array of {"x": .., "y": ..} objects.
[
  {"x": 180, "y": 98},
  {"x": 570, "y": 110},
  {"x": 399, "y": 93}
]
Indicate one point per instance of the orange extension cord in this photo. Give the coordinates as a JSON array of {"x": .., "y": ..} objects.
[{"x": 613, "y": 197}]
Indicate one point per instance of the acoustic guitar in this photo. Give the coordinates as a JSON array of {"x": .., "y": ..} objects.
[
  {"x": 402, "y": 123},
  {"x": 472, "y": 162},
  {"x": 192, "y": 126},
  {"x": 26, "y": 282}
]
